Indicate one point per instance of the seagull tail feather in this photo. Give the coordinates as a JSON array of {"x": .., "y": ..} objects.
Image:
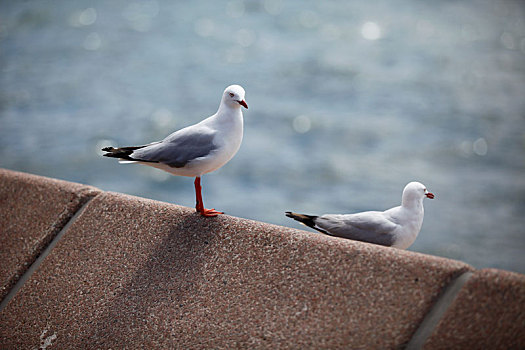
[
  {"x": 121, "y": 152},
  {"x": 308, "y": 220}
]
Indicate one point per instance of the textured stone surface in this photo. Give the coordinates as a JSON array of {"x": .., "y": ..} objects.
[
  {"x": 488, "y": 313},
  {"x": 32, "y": 211},
  {"x": 137, "y": 273}
]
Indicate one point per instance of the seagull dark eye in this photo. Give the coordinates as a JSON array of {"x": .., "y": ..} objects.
[{"x": 232, "y": 94}]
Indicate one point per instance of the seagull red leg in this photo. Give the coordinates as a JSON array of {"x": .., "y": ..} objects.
[{"x": 199, "y": 206}]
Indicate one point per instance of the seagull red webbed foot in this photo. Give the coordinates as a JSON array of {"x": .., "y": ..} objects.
[
  {"x": 199, "y": 207},
  {"x": 209, "y": 212}
]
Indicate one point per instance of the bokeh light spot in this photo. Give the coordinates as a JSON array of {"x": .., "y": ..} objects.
[
  {"x": 302, "y": 124},
  {"x": 83, "y": 18},
  {"x": 371, "y": 31},
  {"x": 88, "y": 17},
  {"x": 480, "y": 146}
]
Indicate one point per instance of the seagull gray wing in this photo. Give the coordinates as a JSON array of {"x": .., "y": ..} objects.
[
  {"x": 372, "y": 227},
  {"x": 179, "y": 148}
]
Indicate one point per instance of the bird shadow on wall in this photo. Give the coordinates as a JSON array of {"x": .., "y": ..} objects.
[{"x": 165, "y": 286}]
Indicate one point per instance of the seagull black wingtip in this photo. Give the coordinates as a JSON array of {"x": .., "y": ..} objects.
[
  {"x": 123, "y": 153},
  {"x": 308, "y": 220}
]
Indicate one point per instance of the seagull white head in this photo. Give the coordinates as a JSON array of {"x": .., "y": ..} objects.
[
  {"x": 234, "y": 96},
  {"x": 415, "y": 192}
]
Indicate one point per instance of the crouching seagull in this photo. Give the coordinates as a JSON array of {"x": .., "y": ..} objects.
[{"x": 396, "y": 227}]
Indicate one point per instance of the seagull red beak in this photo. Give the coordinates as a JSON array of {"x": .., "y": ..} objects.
[
  {"x": 243, "y": 103},
  {"x": 429, "y": 195}
]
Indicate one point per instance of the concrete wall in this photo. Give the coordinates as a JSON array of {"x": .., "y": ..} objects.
[{"x": 80, "y": 267}]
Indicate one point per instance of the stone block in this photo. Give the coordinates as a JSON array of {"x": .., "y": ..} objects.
[
  {"x": 488, "y": 313},
  {"x": 33, "y": 209}
]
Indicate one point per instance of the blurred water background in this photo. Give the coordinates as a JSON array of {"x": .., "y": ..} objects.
[{"x": 349, "y": 101}]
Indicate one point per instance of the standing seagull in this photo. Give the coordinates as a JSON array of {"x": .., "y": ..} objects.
[
  {"x": 197, "y": 149},
  {"x": 396, "y": 227}
]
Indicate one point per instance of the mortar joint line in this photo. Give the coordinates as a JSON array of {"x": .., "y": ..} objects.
[
  {"x": 438, "y": 309},
  {"x": 45, "y": 252}
]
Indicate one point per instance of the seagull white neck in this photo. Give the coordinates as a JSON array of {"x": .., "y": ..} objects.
[
  {"x": 226, "y": 108},
  {"x": 412, "y": 204},
  {"x": 230, "y": 120}
]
